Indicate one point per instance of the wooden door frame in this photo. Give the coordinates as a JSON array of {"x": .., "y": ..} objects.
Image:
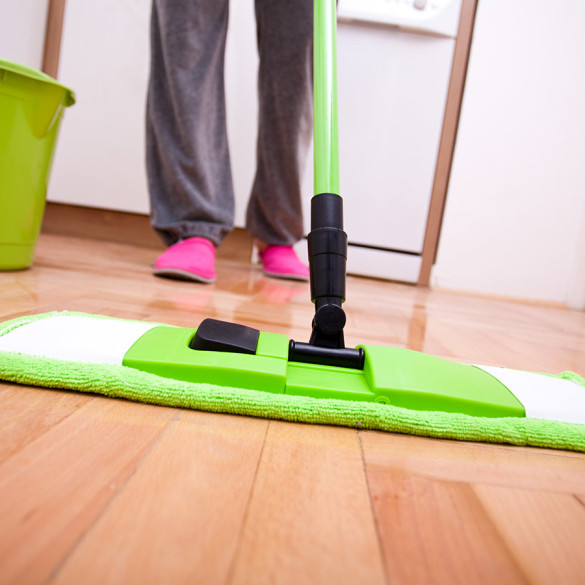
[
  {"x": 447, "y": 142},
  {"x": 53, "y": 34}
]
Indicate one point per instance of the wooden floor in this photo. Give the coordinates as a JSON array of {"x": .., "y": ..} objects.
[{"x": 97, "y": 490}]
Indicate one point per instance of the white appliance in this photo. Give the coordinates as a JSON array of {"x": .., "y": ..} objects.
[{"x": 394, "y": 66}]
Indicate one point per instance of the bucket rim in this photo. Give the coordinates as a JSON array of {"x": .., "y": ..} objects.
[{"x": 37, "y": 75}]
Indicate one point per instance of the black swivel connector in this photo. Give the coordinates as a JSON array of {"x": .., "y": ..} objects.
[
  {"x": 327, "y": 261},
  {"x": 329, "y": 316}
]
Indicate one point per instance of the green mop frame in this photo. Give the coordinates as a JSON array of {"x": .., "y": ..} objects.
[{"x": 226, "y": 354}]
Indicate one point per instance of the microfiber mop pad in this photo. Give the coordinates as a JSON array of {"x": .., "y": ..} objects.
[{"x": 81, "y": 352}]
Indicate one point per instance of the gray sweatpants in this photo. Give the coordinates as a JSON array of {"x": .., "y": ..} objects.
[{"x": 188, "y": 161}]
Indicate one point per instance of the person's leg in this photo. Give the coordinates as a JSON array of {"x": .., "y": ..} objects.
[
  {"x": 285, "y": 42},
  {"x": 187, "y": 155}
]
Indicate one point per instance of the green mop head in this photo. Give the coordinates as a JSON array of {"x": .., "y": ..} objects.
[{"x": 397, "y": 390}]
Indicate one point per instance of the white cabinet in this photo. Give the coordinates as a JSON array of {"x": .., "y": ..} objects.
[
  {"x": 393, "y": 89},
  {"x": 99, "y": 161},
  {"x": 394, "y": 67},
  {"x": 105, "y": 59}
]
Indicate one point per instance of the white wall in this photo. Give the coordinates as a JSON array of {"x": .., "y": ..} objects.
[
  {"x": 515, "y": 213},
  {"x": 576, "y": 297},
  {"x": 22, "y": 31}
]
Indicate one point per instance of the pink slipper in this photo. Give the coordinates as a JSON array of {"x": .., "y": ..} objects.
[
  {"x": 283, "y": 262},
  {"x": 190, "y": 259}
]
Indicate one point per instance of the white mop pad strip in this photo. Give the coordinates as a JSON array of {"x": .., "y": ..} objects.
[
  {"x": 75, "y": 338},
  {"x": 544, "y": 397}
]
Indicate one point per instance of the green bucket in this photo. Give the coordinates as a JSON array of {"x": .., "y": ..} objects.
[{"x": 31, "y": 109}]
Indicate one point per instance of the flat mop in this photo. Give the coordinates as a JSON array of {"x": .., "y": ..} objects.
[{"x": 226, "y": 367}]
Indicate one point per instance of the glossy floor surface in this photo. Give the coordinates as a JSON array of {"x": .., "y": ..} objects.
[{"x": 98, "y": 490}]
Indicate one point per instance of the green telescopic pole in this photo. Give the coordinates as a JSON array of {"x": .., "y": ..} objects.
[
  {"x": 327, "y": 242},
  {"x": 326, "y": 141}
]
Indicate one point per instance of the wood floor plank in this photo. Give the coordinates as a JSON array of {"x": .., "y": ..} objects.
[
  {"x": 80, "y": 474},
  {"x": 27, "y": 413},
  {"x": 309, "y": 519},
  {"x": 52, "y": 490},
  {"x": 476, "y": 462},
  {"x": 24, "y": 294},
  {"x": 179, "y": 517},
  {"x": 545, "y": 532},
  {"x": 436, "y": 532}
]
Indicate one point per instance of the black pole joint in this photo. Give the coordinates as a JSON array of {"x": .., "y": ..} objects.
[{"x": 327, "y": 261}]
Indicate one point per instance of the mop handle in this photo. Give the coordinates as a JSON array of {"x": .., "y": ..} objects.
[
  {"x": 327, "y": 242},
  {"x": 326, "y": 147}
]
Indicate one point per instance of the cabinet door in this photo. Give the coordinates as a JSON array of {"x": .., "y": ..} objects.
[{"x": 105, "y": 59}]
